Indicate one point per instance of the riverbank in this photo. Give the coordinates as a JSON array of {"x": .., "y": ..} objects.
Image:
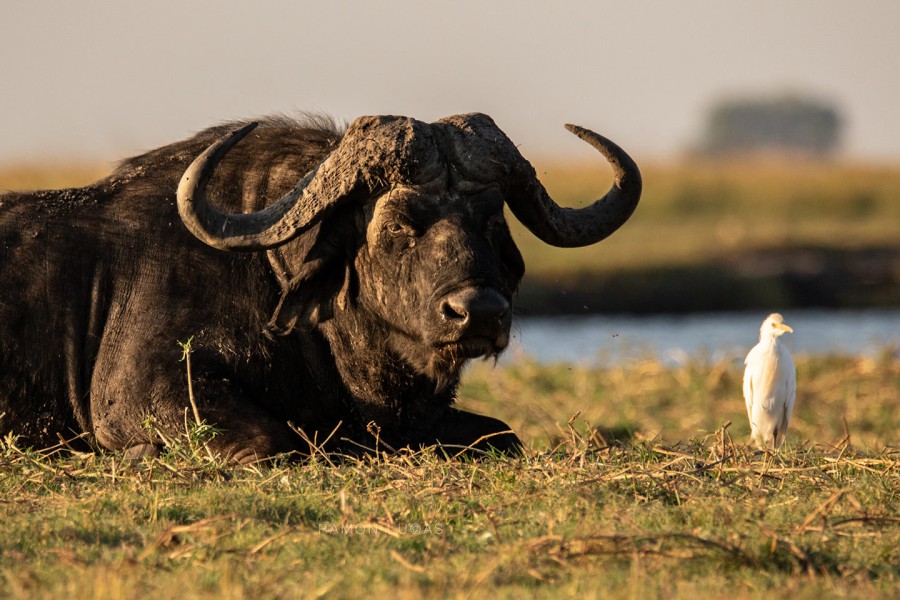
[
  {"x": 764, "y": 279},
  {"x": 710, "y": 236}
]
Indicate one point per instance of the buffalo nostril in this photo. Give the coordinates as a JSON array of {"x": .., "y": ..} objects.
[{"x": 453, "y": 313}]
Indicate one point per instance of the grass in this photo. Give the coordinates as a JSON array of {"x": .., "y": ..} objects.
[
  {"x": 837, "y": 396},
  {"x": 664, "y": 500}
]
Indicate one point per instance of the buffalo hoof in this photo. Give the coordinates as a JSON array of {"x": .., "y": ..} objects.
[{"x": 140, "y": 451}]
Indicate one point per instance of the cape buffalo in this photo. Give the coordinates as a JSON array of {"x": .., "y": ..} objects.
[{"x": 347, "y": 306}]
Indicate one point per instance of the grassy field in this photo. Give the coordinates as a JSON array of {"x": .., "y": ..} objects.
[
  {"x": 50, "y": 175},
  {"x": 634, "y": 485}
]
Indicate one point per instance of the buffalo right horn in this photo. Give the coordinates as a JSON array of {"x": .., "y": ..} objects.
[{"x": 272, "y": 226}]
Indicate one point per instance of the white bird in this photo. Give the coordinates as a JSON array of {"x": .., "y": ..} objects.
[{"x": 770, "y": 385}]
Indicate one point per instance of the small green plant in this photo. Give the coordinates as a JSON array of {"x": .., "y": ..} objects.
[
  {"x": 198, "y": 432},
  {"x": 186, "y": 359},
  {"x": 193, "y": 443},
  {"x": 9, "y": 444}
]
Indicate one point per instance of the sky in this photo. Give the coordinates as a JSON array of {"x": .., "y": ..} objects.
[{"x": 102, "y": 79}]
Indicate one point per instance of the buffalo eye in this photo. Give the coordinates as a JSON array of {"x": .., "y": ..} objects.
[{"x": 401, "y": 231}]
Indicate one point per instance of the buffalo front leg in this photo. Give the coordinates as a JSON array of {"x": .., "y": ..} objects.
[
  {"x": 143, "y": 423},
  {"x": 467, "y": 433},
  {"x": 243, "y": 434}
]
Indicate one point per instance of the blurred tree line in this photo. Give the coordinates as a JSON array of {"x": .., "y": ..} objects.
[{"x": 791, "y": 124}]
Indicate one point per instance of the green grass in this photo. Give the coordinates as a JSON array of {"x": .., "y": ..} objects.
[
  {"x": 835, "y": 395},
  {"x": 694, "y": 242},
  {"x": 648, "y": 492}
]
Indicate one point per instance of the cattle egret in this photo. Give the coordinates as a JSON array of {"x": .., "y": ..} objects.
[{"x": 770, "y": 385}]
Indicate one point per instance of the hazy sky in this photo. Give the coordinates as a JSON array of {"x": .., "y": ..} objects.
[{"x": 104, "y": 79}]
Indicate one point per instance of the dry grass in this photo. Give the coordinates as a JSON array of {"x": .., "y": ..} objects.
[
  {"x": 837, "y": 397},
  {"x": 581, "y": 515}
]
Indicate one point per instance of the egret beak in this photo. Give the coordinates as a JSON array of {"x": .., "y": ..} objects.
[{"x": 784, "y": 327}]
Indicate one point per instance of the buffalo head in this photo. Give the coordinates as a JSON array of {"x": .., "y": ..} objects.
[{"x": 432, "y": 266}]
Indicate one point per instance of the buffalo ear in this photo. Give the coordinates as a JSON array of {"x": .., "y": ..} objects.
[
  {"x": 324, "y": 280},
  {"x": 310, "y": 297}
]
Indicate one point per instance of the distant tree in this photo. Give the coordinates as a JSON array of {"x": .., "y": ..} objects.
[{"x": 787, "y": 124}]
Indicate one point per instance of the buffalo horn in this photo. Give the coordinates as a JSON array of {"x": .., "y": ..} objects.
[
  {"x": 573, "y": 227},
  {"x": 272, "y": 226}
]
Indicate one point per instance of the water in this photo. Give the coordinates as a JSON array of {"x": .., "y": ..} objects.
[{"x": 605, "y": 339}]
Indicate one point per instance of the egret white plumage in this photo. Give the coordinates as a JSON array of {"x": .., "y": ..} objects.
[{"x": 770, "y": 385}]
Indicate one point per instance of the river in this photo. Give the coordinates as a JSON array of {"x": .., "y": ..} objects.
[{"x": 673, "y": 339}]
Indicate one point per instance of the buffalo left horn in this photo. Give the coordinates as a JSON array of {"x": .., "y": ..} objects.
[{"x": 574, "y": 227}]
